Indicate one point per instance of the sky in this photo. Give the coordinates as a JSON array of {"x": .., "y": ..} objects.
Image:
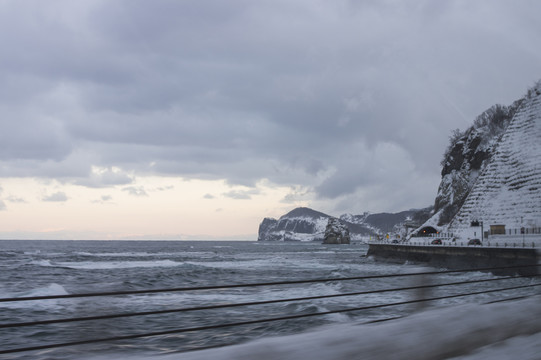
[{"x": 165, "y": 119}]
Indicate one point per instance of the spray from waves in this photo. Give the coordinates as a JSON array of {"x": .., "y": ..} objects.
[
  {"x": 51, "y": 289},
  {"x": 45, "y": 263}
]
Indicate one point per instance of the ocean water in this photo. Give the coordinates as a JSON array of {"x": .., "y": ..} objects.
[{"x": 34, "y": 268}]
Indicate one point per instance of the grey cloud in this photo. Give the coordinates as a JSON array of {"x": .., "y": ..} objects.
[
  {"x": 15, "y": 199},
  {"x": 241, "y": 194},
  {"x": 165, "y": 188},
  {"x": 296, "y": 194},
  {"x": 208, "y": 196},
  {"x": 2, "y": 205},
  {"x": 293, "y": 92},
  {"x": 56, "y": 197},
  {"x": 135, "y": 191},
  {"x": 104, "y": 199},
  {"x": 106, "y": 177}
]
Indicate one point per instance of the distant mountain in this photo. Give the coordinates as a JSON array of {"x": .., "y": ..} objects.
[
  {"x": 492, "y": 171},
  {"x": 300, "y": 224},
  {"x": 305, "y": 224}
]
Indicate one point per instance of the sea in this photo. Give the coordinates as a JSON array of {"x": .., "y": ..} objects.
[{"x": 32, "y": 268}]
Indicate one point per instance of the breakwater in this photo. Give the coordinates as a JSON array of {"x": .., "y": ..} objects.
[{"x": 458, "y": 257}]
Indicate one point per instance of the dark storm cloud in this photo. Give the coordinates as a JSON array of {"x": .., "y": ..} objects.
[{"x": 326, "y": 95}]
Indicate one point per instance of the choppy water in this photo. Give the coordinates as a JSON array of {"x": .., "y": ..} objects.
[{"x": 33, "y": 268}]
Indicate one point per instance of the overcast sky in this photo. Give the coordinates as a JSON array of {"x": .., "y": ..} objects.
[{"x": 116, "y": 115}]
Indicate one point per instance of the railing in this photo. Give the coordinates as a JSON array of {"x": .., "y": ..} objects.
[
  {"x": 449, "y": 242},
  {"x": 517, "y": 231},
  {"x": 420, "y": 298}
]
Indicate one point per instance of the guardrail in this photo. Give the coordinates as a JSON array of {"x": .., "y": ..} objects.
[
  {"x": 448, "y": 242},
  {"x": 420, "y": 298}
]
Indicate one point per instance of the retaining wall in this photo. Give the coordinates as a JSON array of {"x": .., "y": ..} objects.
[{"x": 457, "y": 257}]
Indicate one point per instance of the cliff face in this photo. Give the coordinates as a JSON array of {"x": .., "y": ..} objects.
[
  {"x": 508, "y": 190},
  {"x": 300, "y": 224},
  {"x": 466, "y": 157},
  {"x": 336, "y": 232},
  {"x": 304, "y": 224}
]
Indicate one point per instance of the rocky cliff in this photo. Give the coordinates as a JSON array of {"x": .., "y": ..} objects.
[
  {"x": 491, "y": 172},
  {"x": 304, "y": 224},
  {"x": 336, "y": 232},
  {"x": 508, "y": 190},
  {"x": 300, "y": 224},
  {"x": 466, "y": 157}
]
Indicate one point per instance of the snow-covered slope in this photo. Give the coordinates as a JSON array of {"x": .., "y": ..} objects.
[
  {"x": 508, "y": 191},
  {"x": 466, "y": 157}
]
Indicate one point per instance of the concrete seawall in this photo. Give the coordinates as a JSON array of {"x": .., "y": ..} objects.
[{"x": 457, "y": 257}]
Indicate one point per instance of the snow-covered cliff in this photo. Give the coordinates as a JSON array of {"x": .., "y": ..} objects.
[
  {"x": 300, "y": 224},
  {"x": 465, "y": 158},
  {"x": 508, "y": 190},
  {"x": 492, "y": 171},
  {"x": 304, "y": 224}
]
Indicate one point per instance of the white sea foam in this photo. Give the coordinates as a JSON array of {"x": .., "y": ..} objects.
[
  {"x": 96, "y": 265},
  {"x": 41, "y": 262},
  {"x": 240, "y": 295},
  {"x": 145, "y": 254},
  {"x": 51, "y": 289},
  {"x": 271, "y": 262},
  {"x": 103, "y": 265}
]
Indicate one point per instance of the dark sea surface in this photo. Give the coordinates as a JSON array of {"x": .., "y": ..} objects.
[{"x": 36, "y": 268}]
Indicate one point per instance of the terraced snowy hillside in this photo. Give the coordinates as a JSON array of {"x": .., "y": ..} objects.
[{"x": 508, "y": 191}]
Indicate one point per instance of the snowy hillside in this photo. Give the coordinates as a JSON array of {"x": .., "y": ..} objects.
[
  {"x": 466, "y": 156},
  {"x": 489, "y": 165},
  {"x": 508, "y": 191}
]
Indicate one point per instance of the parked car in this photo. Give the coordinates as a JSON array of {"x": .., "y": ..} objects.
[
  {"x": 436, "y": 242},
  {"x": 474, "y": 242}
]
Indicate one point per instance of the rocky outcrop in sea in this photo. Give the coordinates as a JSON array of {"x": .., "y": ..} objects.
[{"x": 336, "y": 232}]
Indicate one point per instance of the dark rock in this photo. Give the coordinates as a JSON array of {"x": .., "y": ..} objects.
[{"x": 336, "y": 232}]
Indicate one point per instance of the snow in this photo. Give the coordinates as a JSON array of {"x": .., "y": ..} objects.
[
  {"x": 507, "y": 330},
  {"x": 508, "y": 190}
]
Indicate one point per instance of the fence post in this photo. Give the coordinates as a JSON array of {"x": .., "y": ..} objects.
[{"x": 421, "y": 292}]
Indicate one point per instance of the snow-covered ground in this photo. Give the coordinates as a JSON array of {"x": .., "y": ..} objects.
[{"x": 506, "y": 330}]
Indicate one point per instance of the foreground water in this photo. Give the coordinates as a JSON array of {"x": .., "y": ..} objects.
[{"x": 33, "y": 268}]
